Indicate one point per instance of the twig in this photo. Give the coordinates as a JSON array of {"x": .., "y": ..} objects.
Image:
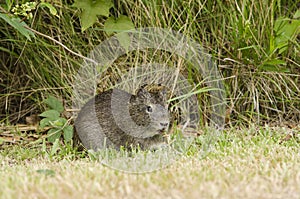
[{"x": 62, "y": 45}]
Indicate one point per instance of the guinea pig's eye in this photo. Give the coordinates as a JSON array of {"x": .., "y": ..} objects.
[{"x": 149, "y": 109}]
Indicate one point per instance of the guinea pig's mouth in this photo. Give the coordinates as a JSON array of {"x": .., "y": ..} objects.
[{"x": 163, "y": 130}]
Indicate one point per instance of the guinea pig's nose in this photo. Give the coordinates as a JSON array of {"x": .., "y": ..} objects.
[{"x": 164, "y": 124}]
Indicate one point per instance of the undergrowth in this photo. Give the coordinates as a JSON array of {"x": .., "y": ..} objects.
[{"x": 260, "y": 68}]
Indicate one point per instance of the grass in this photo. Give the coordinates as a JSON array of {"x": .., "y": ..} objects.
[{"x": 247, "y": 163}]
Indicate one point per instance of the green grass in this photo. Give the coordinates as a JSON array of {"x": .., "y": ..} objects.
[{"x": 247, "y": 163}]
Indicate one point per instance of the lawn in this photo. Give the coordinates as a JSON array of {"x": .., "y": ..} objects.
[{"x": 246, "y": 163}]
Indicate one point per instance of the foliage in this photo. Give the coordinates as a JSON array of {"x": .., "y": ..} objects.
[
  {"x": 285, "y": 30},
  {"x": 92, "y": 8},
  {"x": 24, "y": 10},
  {"x": 18, "y": 25},
  {"x": 255, "y": 43},
  {"x": 58, "y": 125},
  {"x": 122, "y": 23}
]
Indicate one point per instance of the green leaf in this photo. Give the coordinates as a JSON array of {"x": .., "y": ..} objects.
[
  {"x": 124, "y": 40},
  {"x": 297, "y": 14},
  {"x": 285, "y": 30},
  {"x": 51, "y": 8},
  {"x": 60, "y": 122},
  {"x": 120, "y": 24},
  {"x": 68, "y": 133},
  {"x": 19, "y": 25},
  {"x": 271, "y": 68},
  {"x": 90, "y": 10},
  {"x": 52, "y": 114},
  {"x": 275, "y": 62},
  {"x": 53, "y": 134},
  {"x": 54, "y": 103},
  {"x": 274, "y": 65},
  {"x": 45, "y": 122},
  {"x": 109, "y": 25}
]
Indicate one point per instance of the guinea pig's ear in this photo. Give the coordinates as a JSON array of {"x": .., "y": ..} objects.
[
  {"x": 163, "y": 94},
  {"x": 143, "y": 94}
]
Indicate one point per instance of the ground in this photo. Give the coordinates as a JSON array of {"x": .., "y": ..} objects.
[{"x": 243, "y": 164}]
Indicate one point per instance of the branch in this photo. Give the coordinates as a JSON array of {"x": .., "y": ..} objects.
[{"x": 62, "y": 45}]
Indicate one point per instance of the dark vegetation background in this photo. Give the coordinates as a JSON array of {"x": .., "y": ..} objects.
[{"x": 262, "y": 79}]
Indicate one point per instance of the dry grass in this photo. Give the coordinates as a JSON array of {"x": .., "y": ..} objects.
[{"x": 242, "y": 166}]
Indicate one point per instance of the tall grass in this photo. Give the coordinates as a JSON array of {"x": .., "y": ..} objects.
[{"x": 237, "y": 33}]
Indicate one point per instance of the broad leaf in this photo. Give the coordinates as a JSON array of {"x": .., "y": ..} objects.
[
  {"x": 53, "y": 134},
  {"x": 54, "y": 103},
  {"x": 297, "y": 14},
  {"x": 285, "y": 29},
  {"x": 90, "y": 10},
  {"x": 68, "y": 133},
  {"x": 45, "y": 122},
  {"x": 60, "y": 122},
  {"x": 119, "y": 25},
  {"x": 51, "y": 114},
  {"x": 124, "y": 40}
]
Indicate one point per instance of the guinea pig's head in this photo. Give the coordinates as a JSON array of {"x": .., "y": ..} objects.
[{"x": 150, "y": 109}]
